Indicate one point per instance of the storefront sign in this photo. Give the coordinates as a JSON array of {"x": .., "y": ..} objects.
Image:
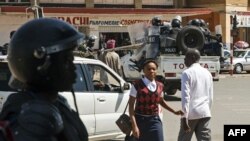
[
  {"x": 129, "y": 22},
  {"x": 104, "y": 23},
  {"x": 81, "y": 20},
  {"x": 243, "y": 19},
  {"x": 78, "y": 20}
]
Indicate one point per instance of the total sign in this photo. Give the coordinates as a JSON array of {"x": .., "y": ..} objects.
[{"x": 182, "y": 65}]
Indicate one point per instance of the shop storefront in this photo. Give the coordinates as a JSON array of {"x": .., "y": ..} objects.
[
  {"x": 108, "y": 23},
  {"x": 243, "y": 19},
  {"x": 111, "y": 25}
]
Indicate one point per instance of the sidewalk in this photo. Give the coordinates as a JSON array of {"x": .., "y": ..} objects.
[{"x": 225, "y": 75}]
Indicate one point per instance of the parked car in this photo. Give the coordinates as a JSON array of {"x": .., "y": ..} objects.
[
  {"x": 99, "y": 103},
  {"x": 241, "y": 61}
]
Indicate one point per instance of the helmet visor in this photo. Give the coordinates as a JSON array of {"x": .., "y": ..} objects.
[{"x": 66, "y": 44}]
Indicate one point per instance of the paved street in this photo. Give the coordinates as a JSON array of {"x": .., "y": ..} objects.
[{"x": 231, "y": 106}]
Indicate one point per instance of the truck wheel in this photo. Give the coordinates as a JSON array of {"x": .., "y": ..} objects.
[
  {"x": 171, "y": 91},
  {"x": 190, "y": 37},
  {"x": 238, "y": 68}
]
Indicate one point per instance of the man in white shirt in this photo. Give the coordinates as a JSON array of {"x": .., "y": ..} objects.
[{"x": 197, "y": 97}]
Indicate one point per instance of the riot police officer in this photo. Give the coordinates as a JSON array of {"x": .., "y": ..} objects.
[
  {"x": 176, "y": 23},
  {"x": 153, "y": 39},
  {"x": 40, "y": 57},
  {"x": 85, "y": 50}
]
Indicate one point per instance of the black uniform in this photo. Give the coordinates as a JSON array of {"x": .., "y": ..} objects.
[
  {"x": 30, "y": 119},
  {"x": 41, "y": 68}
]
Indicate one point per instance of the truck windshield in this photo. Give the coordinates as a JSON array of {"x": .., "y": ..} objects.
[{"x": 239, "y": 54}]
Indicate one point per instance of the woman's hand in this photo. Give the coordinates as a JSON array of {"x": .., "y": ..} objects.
[
  {"x": 179, "y": 112},
  {"x": 136, "y": 132}
]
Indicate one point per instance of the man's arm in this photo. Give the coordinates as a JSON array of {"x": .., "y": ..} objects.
[
  {"x": 185, "y": 100},
  {"x": 211, "y": 93}
]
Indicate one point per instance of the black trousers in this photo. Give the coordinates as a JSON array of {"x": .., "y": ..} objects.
[{"x": 150, "y": 128}]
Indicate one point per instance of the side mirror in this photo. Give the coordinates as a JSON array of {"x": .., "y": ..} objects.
[{"x": 126, "y": 86}]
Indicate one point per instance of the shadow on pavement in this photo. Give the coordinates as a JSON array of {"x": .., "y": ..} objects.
[{"x": 172, "y": 98}]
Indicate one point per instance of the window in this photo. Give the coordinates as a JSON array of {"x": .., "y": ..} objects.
[
  {"x": 80, "y": 84},
  {"x": 239, "y": 54},
  {"x": 226, "y": 53},
  {"x": 102, "y": 80},
  {"x": 14, "y": 1},
  {"x": 248, "y": 54}
]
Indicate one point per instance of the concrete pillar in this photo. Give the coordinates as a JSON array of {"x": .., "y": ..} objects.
[
  {"x": 138, "y": 4},
  {"x": 34, "y": 2},
  {"x": 179, "y": 3},
  {"x": 227, "y": 28},
  {"x": 89, "y": 3}
]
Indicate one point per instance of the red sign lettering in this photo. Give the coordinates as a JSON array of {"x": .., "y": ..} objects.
[
  {"x": 129, "y": 22},
  {"x": 75, "y": 20}
]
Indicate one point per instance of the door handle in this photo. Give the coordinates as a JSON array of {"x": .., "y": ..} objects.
[{"x": 101, "y": 99}]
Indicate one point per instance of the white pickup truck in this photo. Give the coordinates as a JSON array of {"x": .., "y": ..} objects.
[
  {"x": 168, "y": 45},
  {"x": 99, "y": 104},
  {"x": 170, "y": 70}
]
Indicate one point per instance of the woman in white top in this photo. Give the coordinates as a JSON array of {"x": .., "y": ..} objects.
[{"x": 145, "y": 97}]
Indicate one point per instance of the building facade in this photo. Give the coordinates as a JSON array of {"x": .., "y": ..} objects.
[
  {"x": 112, "y": 17},
  {"x": 224, "y": 11}
]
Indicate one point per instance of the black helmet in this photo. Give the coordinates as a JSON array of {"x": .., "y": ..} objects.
[
  {"x": 195, "y": 22},
  {"x": 156, "y": 21},
  {"x": 176, "y": 23},
  {"x": 40, "y": 50},
  {"x": 203, "y": 23},
  {"x": 91, "y": 40}
]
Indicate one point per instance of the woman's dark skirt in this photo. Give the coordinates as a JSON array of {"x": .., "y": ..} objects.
[{"x": 150, "y": 127}]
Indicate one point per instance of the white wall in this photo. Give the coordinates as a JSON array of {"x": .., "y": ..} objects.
[
  {"x": 157, "y": 2},
  {"x": 9, "y": 23}
]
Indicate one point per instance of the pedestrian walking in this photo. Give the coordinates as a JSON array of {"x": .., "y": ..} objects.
[
  {"x": 44, "y": 65},
  {"x": 196, "y": 99},
  {"x": 145, "y": 97},
  {"x": 111, "y": 58}
]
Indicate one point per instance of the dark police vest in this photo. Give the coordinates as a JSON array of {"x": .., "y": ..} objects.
[
  {"x": 39, "y": 125},
  {"x": 146, "y": 100}
]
